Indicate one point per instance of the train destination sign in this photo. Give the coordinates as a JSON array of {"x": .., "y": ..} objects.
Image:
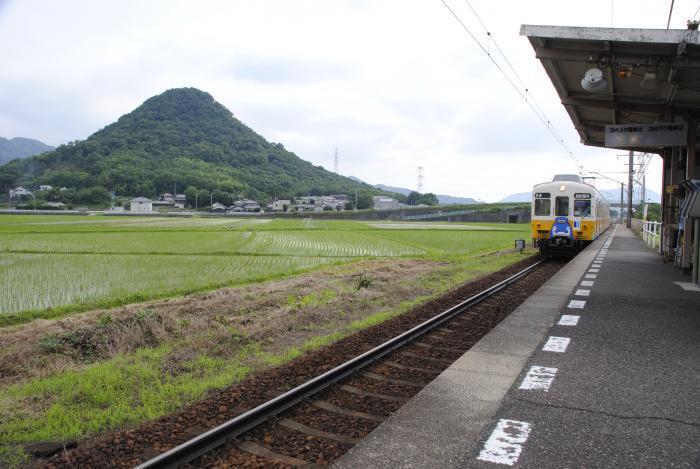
[{"x": 645, "y": 135}]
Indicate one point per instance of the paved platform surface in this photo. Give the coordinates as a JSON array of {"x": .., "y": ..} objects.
[{"x": 600, "y": 368}]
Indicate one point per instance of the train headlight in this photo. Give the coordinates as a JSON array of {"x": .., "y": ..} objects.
[{"x": 562, "y": 188}]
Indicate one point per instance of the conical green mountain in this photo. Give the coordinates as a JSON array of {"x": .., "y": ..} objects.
[{"x": 180, "y": 138}]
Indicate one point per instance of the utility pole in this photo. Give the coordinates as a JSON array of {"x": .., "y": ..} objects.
[
  {"x": 622, "y": 200},
  {"x": 630, "y": 173},
  {"x": 356, "y": 199},
  {"x": 335, "y": 162}
]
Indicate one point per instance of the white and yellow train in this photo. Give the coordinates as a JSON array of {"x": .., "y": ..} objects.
[{"x": 567, "y": 214}]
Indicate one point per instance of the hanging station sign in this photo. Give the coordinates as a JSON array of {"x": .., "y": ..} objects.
[{"x": 645, "y": 135}]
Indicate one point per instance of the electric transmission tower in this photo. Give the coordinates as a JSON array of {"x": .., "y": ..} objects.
[{"x": 420, "y": 179}]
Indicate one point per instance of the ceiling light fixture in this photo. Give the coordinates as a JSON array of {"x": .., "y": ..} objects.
[{"x": 594, "y": 81}]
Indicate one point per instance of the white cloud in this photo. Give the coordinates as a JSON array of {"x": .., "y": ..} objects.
[{"x": 393, "y": 85}]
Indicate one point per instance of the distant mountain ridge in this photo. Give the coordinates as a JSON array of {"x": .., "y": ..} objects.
[
  {"x": 21, "y": 147},
  {"x": 442, "y": 198},
  {"x": 178, "y": 139},
  {"x": 613, "y": 196}
]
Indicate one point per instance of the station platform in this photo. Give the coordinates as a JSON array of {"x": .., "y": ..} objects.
[{"x": 599, "y": 368}]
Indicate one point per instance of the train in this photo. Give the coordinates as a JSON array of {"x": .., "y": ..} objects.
[{"x": 567, "y": 215}]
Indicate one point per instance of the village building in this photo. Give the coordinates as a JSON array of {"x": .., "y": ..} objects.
[
  {"x": 45, "y": 188},
  {"x": 382, "y": 202},
  {"x": 179, "y": 200},
  {"x": 308, "y": 204},
  {"x": 141, "y": 204},
  {"x": 161, "y": 203},
  {"x": 320, "y": 203},
  {"x": 218, "y": 207},
  {"x": 19, "y": 193},
  {"x": 280, "y": 205},
  {"x": 245, "y": 205},
  {"x": 166, "y": 200}
]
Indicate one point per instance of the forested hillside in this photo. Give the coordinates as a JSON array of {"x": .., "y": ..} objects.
[{"x": 178, "y": 139}]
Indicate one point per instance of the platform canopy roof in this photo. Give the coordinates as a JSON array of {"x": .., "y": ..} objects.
[{"x": 653, "y": 75}]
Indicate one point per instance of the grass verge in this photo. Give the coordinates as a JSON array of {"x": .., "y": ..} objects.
[{"x": 153, "y": 381}]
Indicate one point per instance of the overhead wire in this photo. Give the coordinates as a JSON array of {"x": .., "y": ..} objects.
[
  {"x": 523, "y": 94},
  {"x": 512, "y": 68},
  {"x": 670, "y": 13}
]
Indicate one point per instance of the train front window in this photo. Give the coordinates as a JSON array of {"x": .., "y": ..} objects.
[
  {"x": 543, "y": 207},
  {"x": 582, "y": 208},
  {"x": 561, "y": 207}
]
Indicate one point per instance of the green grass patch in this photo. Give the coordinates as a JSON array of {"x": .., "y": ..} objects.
[{"x": 109, "y": 395}]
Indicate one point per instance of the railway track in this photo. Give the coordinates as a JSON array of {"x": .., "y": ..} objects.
[{"x": 318, "y": 420}]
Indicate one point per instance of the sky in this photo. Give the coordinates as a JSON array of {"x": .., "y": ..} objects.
[{"x": 393, "y": 85}]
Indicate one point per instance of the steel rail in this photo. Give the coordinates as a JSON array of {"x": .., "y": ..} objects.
[{"x": 218, "y": 436}]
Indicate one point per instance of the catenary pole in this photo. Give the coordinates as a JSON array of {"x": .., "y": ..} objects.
[
  {"x": 630, "y": 172},
  {"x": 622, "y": 200}
]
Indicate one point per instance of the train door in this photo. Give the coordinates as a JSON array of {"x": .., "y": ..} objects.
[
  {"x": 582, "y": 211},
  {"x": 561, "y": 206}
]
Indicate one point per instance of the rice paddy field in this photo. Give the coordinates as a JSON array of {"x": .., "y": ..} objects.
[
  {"x": 100, "y": 359},
  {"x": 51, "y": 265}
]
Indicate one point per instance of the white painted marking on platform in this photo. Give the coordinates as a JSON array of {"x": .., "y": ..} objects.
[
  {"x": 598, "y": 263},
  {"x": 593, "y": 271},
  {"x": 587, "y": 283},
  {"x": 577, "y": 304},
  {"x": 582, "y": 292},
  {"x": 688, "y": 286},
  {"x": 556, "y": 344},
  {"x": 591, "y": 276},
  {"x": 538, "y": 378},
  {"x": 568, "y": 320},
  {"x": 506, "y": 442}
]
